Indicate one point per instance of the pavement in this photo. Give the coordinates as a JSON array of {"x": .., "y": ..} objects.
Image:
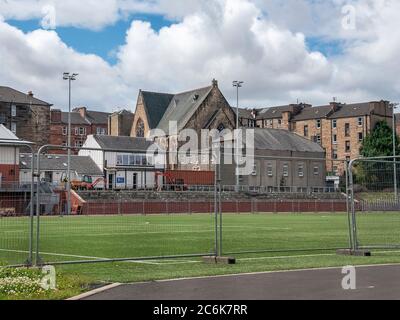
[{"x": 372, "y": 283}]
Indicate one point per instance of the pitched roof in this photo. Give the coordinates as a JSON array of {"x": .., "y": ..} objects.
[
  {"x": 155, "y": 104},
  {"x": 244, "y": 113},
  {"x": 123, "y": 143},
  {"x": 97, "y": 117},
  {"x": 282, "y": 140},
  {"x": 7, "y": 136},
  {"x": 182, "y": 107},
  {"x": 313, "y": 113},
  {"x": 352, "y": 110},
  {"x": 80, "y": 164},
  {"x": 274, "y": 112},
  {"x": 10, "y": 95},
  {"x": 75, "y": 118}
]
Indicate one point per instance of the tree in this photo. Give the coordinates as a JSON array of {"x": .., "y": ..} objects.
[
  {"x": 380, "y": 142},
  {"x": 374, "y": 175}
]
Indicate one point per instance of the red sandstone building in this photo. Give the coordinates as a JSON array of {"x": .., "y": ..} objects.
[{"x": 83, "y": 123}]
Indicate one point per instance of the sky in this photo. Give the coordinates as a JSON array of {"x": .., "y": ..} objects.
[{"x": 285, "y": 51}]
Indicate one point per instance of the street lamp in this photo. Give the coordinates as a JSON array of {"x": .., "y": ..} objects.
[
  {"x": 394, "y": 107},
  {"x": 237, "y": 85},
  {"x": 69, "y": 77}
]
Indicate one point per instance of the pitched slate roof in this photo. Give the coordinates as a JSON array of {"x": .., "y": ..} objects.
[
  {"x": 244, "y": 113},
  {"x": 182, "y": 107},
  {"x": 9, "y": 95},
  {"x": 352, "y": 110},
  {"x": 155, "y": 104},
  {"x": 123, "y": 143},
  {"x": 80, "y": 164},
  {"x": 313, "y": 113},
  {"x": 97, "y": 117},
  {"x": 76, "y": 118},
  {"x": 282, "y": 140},
  {"x": 274, "y": 112},
  {"x": 7, "y": 136}
]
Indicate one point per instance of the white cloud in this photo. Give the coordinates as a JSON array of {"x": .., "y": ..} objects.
[
  {"x": 260, "y": 42},
  {"x": 37, "y": 60}
]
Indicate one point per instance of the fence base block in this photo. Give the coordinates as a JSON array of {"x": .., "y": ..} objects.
[
  {"x": 219, "y": 260},
  {"x": 355, "y": 253}
]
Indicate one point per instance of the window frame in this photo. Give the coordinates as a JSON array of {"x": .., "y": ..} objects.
[
  {"x": 13, "y": 110},
  {"x": 285, "y": 170},
  {"x": 270, "y": 170},
  {"x": 13, "y": 127},
  {"x": 306, "y": 130}
]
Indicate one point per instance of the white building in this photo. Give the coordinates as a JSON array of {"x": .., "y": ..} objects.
[
  {"x": 123, "y": 169},
  {"x": 9, "y": 157}
]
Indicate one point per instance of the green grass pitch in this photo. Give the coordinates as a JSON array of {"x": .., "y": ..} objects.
[{"x": 106, "y": 237}]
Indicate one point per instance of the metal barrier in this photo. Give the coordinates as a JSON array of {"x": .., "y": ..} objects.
[
  {"x": 375, "y": 203},
  {"x": 17, "y": 215},
  {"x": 290, "y": 208}
]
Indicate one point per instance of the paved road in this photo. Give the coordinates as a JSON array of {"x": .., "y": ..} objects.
[{"x": 378, "y": 282}]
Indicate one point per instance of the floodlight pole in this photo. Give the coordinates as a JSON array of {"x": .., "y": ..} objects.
[
  {"x": 237, "y": 85},
  {"x": 69, "y": 78},
  {"x": 396, "y": 195}
]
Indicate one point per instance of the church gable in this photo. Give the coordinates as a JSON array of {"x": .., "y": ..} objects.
[
  {"x": 214, "y": 113},
  {"x": 150, "y": 108}
]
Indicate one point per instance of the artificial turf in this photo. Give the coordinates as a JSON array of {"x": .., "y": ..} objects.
[{"x": 300, "y": 241}]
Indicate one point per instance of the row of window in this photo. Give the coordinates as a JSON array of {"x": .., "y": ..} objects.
[
  {"x": 77, "y": 144},
  {"x": 270, "y": 122},
  {"x": 132, "y": 160},
  {"x": 347, "y": 132},
  {"x": 285, "y": 170},
  {"x": 82, "y": 131}
]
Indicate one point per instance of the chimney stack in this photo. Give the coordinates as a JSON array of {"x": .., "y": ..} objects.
[{"x": 30, "y": 94}]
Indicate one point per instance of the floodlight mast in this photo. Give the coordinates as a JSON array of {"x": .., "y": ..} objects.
[
  {"x": 68, "y": 77},
  {"x": 237, "y": 85}
]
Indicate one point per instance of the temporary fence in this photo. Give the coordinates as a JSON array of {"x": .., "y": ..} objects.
[
  {"x": 134, "y": 213},
  {"x": 16, "y": 209},
  {"x": 375, "y": 204}
]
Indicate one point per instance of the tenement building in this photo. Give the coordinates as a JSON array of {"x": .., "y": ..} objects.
[
  {"x": 25, "y": 115},
  {"x": 339, "y": 128},
  {"x": 83, "y": 123}
]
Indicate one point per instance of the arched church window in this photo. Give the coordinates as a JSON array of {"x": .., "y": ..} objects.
[{"x": 140, "y": 129}]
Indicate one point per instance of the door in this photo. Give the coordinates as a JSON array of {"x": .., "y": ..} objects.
[
  {"x": 135, "y": 181},
  {"x": 48, "y": 176},
  {"x": 110, "y": 181}
]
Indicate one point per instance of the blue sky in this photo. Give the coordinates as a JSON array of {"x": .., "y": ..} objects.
[
  {"x": 269, "y": 44},
  {"x": 104, "y": 42}
]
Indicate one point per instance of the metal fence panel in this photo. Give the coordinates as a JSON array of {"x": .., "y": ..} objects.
[
  {"x": 116, "y": 222},
  {"x": 16, "y": 216},
  {"x": 375, "y": 202},
  {"x": 287, "y": 204}
]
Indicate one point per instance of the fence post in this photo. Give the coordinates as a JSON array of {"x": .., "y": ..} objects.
[{"x": 352, "y": 207}]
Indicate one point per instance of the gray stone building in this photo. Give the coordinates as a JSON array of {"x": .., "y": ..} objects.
[
  {"x": 199, "y": 109},
  {"x": 282, "y": 160},
  {"x": 120, "y": 123},
  {"x": 25, "y": 115}
]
